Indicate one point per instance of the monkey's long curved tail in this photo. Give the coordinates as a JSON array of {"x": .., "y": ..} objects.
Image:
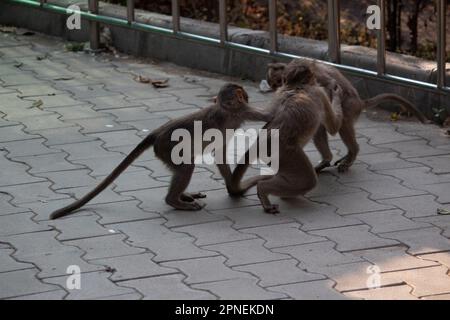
[
  {"x": 141, "y": 147},
  {"x": 375, "y": 101}
]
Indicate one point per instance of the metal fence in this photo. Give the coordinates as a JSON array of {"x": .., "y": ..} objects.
[{"x": 334, "y": 48}]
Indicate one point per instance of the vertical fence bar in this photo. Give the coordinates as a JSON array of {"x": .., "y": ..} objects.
[
  {"x": 334, "y": 31},
  {"x": 223, "y": 21},
  {"x": 176, "y": 15},
  {"x": 94, "y": 27},
  {"x": 381, "y": 39},
  {"x": 130, "y": 11},
  {"x": 441, "y": 42},
  {"x": 273, "y": 26}
]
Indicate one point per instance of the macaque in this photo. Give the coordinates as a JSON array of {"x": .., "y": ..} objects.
[
  {"x": 352, "y": 106},
  {"x": 299, "y": 108},
  {"x": 229, "y": 111}
]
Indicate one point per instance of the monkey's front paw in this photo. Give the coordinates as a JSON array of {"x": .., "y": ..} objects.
[
  {"x": 272, "y": 209},
  {"x": 324, "y": 164}
]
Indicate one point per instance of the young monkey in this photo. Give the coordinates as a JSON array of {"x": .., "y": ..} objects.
[
  {"x": 352, "y": 106},
  {"x": 300, "y": 107},
  {"x": 229, "y": 111}
]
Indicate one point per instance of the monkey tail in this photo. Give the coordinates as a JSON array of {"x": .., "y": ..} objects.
[
  {"x": 375, "y": 101},
  {"x": 141, "y": 147}
]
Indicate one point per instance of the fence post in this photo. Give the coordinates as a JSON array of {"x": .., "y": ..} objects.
[
  {"x": 381, "y": 39},
  {"x": 223, "y": 21},
  {"x": 176, "y": 16},
  {"x": 94, "y": 28},
  {"x": 441, "y": 43},
  {"x": 334, "y": 31},
  {"x": 130, "y": 11},
  {"x": 273, "y": 26}
]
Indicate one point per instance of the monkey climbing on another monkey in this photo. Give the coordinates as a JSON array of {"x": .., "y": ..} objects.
[
  {"x": 300, "y": 107},
  {"x": 229, "y": 111},
  {"x": 352, "y": 106}
]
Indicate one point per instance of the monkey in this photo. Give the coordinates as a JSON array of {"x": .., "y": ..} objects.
[
  {"x": 300, "y": 107},
  {"x": 352, "y": 106},
  {"x": 229, "y": 111}
]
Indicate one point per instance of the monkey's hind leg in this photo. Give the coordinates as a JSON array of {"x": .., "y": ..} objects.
[
  {"x": 180, "y": 181},
  {"x": 321, "y": 143},
  {"x": 190, "y": 197},
  {"x": 348, "y": 136}
]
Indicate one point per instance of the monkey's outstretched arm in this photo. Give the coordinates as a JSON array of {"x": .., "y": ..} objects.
[
  {"x": 141, "y": 147},
  {"x": 253, "y": 114}
]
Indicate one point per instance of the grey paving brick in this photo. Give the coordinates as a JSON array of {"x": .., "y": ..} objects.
[
  {"x": 393, "y": 259},
  {"x": 6, "y": 207},
  {"x": 20, "y": 283},
  {"x": 20, "y": 79},
  {"x": 189, "y": 218},
  {"x": 123, "y": 211},
  {"x": 48, "y": 163},
  {"x": 49, "y": 295},
  {"x": 43, "y": 208},
  {"x": 424, "y": 281},
  {"x": 402, "y": 292},
  {"x": 145, "y": 126},
  {"x": 283, "y": 235},
  {"x": 100, "y": 125},
  {"x": 439, "y": 164},
  {"x": 353, "y": 203},
  {"x": 134, "y": 267},
  {"x": 9, "y": 134},
  {"x": 386, "y": 189},
  {"x": 354, "y": 238},
  {"x": 50, "y": 256},
  {"x": 320, "y": 254},
  {"x": 440, "y": 190},
  {"x": 245, "y": 252},
  {"x": 152, "y": 199},
  {"x": 68, "y": 178},
  {"x": 14, "y": 173},
  {"x": 209, "y": 269},
  {"x": 314, "y": 290},
  {"x": 78, "y": 112},
  {"x": 93, "y": 285},
  {"x": 388, "y": 221},
  {"x": 384, "y": 134},
  {"x": 166, "y": 244},
  {"x": 214, "y": 233},
  {"x": 421, "y": 241},
  {"x": 7, "y": 263},
  {"x": 416, "y": 177},
  {"x": 33, "y": 192},
  {"x": 239, "y": 289},
  {"x": 78, "y": 227},
  {"x": 416, "y": 148},
  {"x": 40, "y": 89},
  {"x": 118, "y": 138},
  {"x": 19, "y": 223},
  {"x": 314, "y": 216},
  {"x": 386, "y": 161},
  {"x": 41, "y": 121},
  {"x": 137, "y": 180},
  {"x": 440, "y": 221},
  {"x": 60, "y": 100},
  {"x": 416, "y": 206},
  {"x": 328, "y": 184},
  {"x": 248, "y": 217},
  {"x": 103, "y": 166},
  {"x": 441, "y": 258},
  {"x": 67, "y": 135},
  {"x": 170, "y": 287},
  {"x": 27, "y": 148},
  {"x": 107, "y": 196},
  {"x": 112, "y": 102},
  {"x": 279, "y": 272},
  {"x": 132, "y": 113},
  {"x": 105, "y": 247}
]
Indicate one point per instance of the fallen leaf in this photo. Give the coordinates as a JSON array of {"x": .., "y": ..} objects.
[
  {"x": 63, "y": 79},
  {"x": 142, "y": 79},
  {"x": 395, "y": 116},
  {"x": 443, "y": 212},
  {"x": 37, "y": 104},
  {"x": 160, "y": 83}
]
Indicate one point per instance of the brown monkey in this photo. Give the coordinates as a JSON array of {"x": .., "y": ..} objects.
[
  {"x": 352, "y": 106},
  {"x": 300, "y": 107},
  {"x": 229, "y": 112}
]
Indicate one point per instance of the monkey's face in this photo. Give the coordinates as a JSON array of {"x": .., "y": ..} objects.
[
  {"x": 232, "y": 96},
  {"x": 274, "y": 75}
]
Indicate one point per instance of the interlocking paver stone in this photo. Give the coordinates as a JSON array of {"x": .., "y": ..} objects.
[{"x": 130, "y": 244}]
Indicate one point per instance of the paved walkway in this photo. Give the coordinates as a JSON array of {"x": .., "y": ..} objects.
[{"x": 66, "y": 119}]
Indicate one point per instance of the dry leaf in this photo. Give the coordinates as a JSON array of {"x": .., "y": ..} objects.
[
  {"x": 37, "y": 104},
  {"x": 443, "y": 212},
  {"x": 142, "y": 79},
  {"x": 160, "y": 83}
]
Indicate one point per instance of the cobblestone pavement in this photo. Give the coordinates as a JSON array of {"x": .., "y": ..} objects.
[{"x": 66, "y": 119}]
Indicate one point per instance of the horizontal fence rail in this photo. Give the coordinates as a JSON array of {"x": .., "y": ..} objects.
[{"x": 334, "y": 50}]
